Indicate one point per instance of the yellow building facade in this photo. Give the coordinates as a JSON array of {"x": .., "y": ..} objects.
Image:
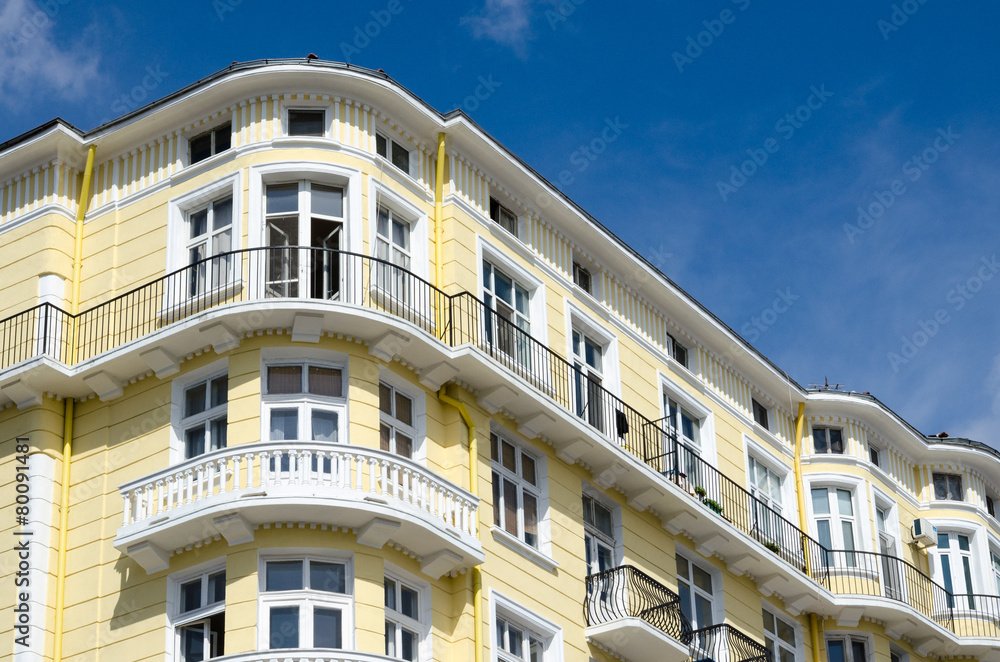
[{"x": 295, "y": 367}]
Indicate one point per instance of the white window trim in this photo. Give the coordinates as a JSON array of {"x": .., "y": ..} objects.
[
  {"x": 412, "y": 152},
  {"x": 425, "y": 647},
  {"x": 419, "y": 400},
  {"x": 576, "y": 318},
  {"x": 863, "y": 517},
  {"x": 542, "y": 555},
  {"x": 707, "y": 417},
  {"x": 520, "y": 228},
  {"x": 174, "y": 583},
  {"x": 177, "y": 387},
  {"x": 851, "y": 634},
  {"x": 303, "y": 104},
  {"x": 201, "y": 130},
  {"x": 844, "y": 436},
  {"x": 616, "y": 520},
  {"x": 347, "y": 600},
  {"x": 180, "y": 207},
  {"x": 381, "y": 195},
  {"x": 305, "y": 356},
  {"x": 884, "y": 501},
  {"x": 534, "y": 285},
  {"x": 718, "y": 592},
  {"x": 528, "y": 620},
  {"x": 763, "y": 455},
  {"x": 979, "y": 549},
  {"x": 287, "y": 172},
  {"x": 800, "y": 644}
]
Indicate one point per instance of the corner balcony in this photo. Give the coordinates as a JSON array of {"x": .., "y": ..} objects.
[
  {"x": 305, "y": 655},
  {"x": 384, "y": 498},
  {"x": 724, "y": 643},
  {"x": 631, "y": 615}
]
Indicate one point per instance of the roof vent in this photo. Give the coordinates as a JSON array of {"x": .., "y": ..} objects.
[
  {"x": 312, "y": 56},
  {"x": 942, "y": 435}
]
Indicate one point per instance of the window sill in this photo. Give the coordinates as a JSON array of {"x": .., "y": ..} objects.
[
  {"x": 305, "y": 141},
  {"x": 526, "y": 550}
]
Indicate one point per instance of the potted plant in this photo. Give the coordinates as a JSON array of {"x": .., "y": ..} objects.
[
  {"x": 701, "y": 492},
  {"x": 773, "y": 546},
  {"x": 713, "y": 505}
]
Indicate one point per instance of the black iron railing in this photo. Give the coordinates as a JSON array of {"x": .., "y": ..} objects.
[
  {"x": 295, "y": 273},
  {"x": 724, "y": 643},
  {"x": 626, "y": 592}
]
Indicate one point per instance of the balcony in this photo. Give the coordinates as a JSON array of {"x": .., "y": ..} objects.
[
  {"x": 631, "y": 615},
  {"x": 228, "y": 493},
  {"x": 305, "y": 655},
  {"x": 724, "y": 643},
  {"x": 311, "y": 291}
]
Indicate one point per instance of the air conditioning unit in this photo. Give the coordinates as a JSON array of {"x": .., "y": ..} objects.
[{"x": 924, "y": 533}]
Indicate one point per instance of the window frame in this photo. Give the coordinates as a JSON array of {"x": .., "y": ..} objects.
[
  {"x": 521, "y": 486},
  {"x": 381, "y": 195},
  {"x": 303, "y": 402},
  {"x": 421, "y": 625},
  {"x": 287, "y": 106},
  {"x": 844, "y": 561},
  {"x": 829, "y": 443},
  {"x": 847, "y": 638},
  {"x": 306, "y": 599},
  {"x": 717, "y": 596},
  {"x": 501, "y": 206},
  {"x": 759, "y": 411},
  {"x": 216, "y": 275},
  {"x": 178, "y": 620},
  {"x": 970, "y": 570},
  {"x": 948, "y": 494},
  {"x": 212, "y": 134},
  {"x": 798, "y": 648},
  {"x": 178, "y": 390},
  {"x": 583, "y": 276},
  {"x": 679, "y": 352},
  {"x": 418, "y": 415},
  {"x": 549, "y": 633},
  {"x": 875, "y": 455},
  {"x": 593, "y": 536},
  {"x": 390, "y": 156}
]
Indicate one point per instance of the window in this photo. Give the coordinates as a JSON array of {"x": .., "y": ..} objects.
[
  {"x": 765, "y": 486},
  {"x": 897, "y": 655},
  {"x": 210, "y": 235},
  {"x": 828, "y": 440},
  {"x": 995, "y": 559},
  {"x": 581, "y": 276},
  {"x": 678, "y": 351},
  {"x": 392, "y": 151},
  {"x": 874, "y": 455},
  {"x": 588, "y": 355},
  {"x": 392, "y": 244},
  {"x": 759, "y": 414},
  {"x": 396, "y": 432},
  {"x": 508, "y": 328},
  {"x": 779, "y": 637},
  {"x": 991, "y": 506},
  {"x": 303, "y": 402},
  {"x": 200, "y": 617},
  {"x": 305, "y": 603},
  {"x": 695, "y": 585},
  {"x": 846, "y": 649},
  {"x": 522, "y": 636},
  {"x": 306, "y": 122},
  {"x": 954, "y": 553},
  {"x": 210, "y": 143},
  {"x": 948, "y": 487},
  {"x": 833, "y": 512},
  {"x": 204, "y": 420},
  {"x": 309, "y": 215},
  {"x": 503, "y": 217},
  {"x": 403, "y": 629},
  {"x": 516, "y": 490},
  {"x": 515, "y": 643},
  {"x": 892, "y": 569},
  {"x": 598, "y": 535}
]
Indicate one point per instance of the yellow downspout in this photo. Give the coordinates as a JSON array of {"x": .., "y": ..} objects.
[
  {"x": 67, "y": 454},
  {"x": 799, "y": 425},
  {"x": 438, "y": 213},
  {"x": 477, "y": 576}
]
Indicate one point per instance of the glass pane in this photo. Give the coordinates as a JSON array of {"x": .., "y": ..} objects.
[
  {"x": 410, "y": 602},
  {"x": 219, "y": 433},
  {"x": 385, "y": 438},
  {"x": 528, "y": 469},
  {"x": 768, "y": 621},
  {"x": 847, "y": 530},
  {"x": 702, "y": 579},
  {"x": 825, "y": 537},
  {"x": 282, "y": 198},
  {"x": 496, "y": 499},
  {"x": 223, "y": 138},
  {"x": 329, "y": 577},
  {"x": 858, "y": 651},
  {"x": 193, "y": 643},
  {"x": 222, "y": 214},
  {"x": 943, "y": 541},
  {"x": 703, "y": 611},
  {"x": 327, "y": 200},
  {"x": 603, "y": 520},
  {"x": 194, "y": 441},
  {"x": 844, "y": 504},
  {"x": 190, "y": 596},
  {"x": 284, "y": 632},
  {"x": 409, "y": 645},
  {"x": 510, "y": 507},
  {"x": 530, "y": 520},
  {"x": 963, "y": 543},
  {"x": 201, "y": 148},
  {"x": 820, "y": 501},
  {"x": 786, "y": 656},
  {"x": 325, "y": 381},
  {"x": 284, "y": 424},
  {"x": 305, "y": 122},
  {"x": 503, "y": 287},
  {"x": 381, "y": 145},
  {"x": 324, "y": 426},
  {"x": 684, "y": 591},
  {"x": 194, "y": 400},
  {"x": 836, "y": 441},
  {"x": 283, "y": 576},
  {"x": 284, "y": 379},
  {"x": 404, "y": 409},
  {"x": 509, "y": 457},
  {"x": 514, "y": 641},
  {"x": 385, "y": 398},
  {"x": 786, "y": 632},
  {"x": 404, "y": 445},
  {"x": 400, "y": 157},
  {"x": 401, "y": 234},
  {"x": 682, "y": 568},
  {"x": 217, "y": 587},
  {"x": 835, "y": 651},
  {"x": 819, "y": 440},
  {"x": 199, "y": 223}
]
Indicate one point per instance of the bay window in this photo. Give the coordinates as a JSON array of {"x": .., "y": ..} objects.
[
  {"x": 204, "y": 419},
  {"x": 305, "y": 603},
  {"x": 516, "y": 490},
  {"x": 836, "y": 526},
  {"x": 199, "y": 619}
]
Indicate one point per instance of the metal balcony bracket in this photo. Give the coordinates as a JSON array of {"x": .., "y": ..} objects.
[
  {"x": 388, "y": 345},
  {"x": 377, "y": 532},
  {"x": 22, "y": 393},
  {"x": 149, "y": 556},
  {"x": 161, "y": 362},
  {"x": 234, "y": 528},
  {"x": 307, "y": 328},
  {"x": 220, "y": 337},
  {"x": 437, "y": 375},
  {"x": 496, "y": 398},
  {"x": 106, "y": 386}
]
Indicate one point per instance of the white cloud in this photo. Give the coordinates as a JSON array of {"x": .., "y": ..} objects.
[
  {"x": 35, "y": 62},
  {"x": 506, "y": 22}
]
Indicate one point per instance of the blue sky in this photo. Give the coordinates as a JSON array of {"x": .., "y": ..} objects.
[{"x": 750, "y": 138}]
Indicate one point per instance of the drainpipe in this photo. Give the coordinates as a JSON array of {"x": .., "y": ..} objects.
[
  {"x": 67, "y": 454},
  {"x": 477, "y": 576},
  {"x": 799, "y": 425},
  {"x": 438, "y": 213}
]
